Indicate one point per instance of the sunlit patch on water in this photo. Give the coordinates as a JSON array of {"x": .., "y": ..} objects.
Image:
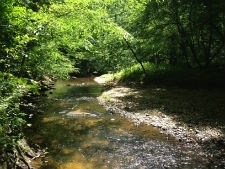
[{"x": 80, "y": 134}]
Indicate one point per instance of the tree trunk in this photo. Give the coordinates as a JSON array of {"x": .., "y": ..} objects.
[
  {"x": 135, "y": 56},
  {"x": 185, "y": 38},
  {"x": 184, "y": 51}
]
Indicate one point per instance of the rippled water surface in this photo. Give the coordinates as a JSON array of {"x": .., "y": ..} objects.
[{"x": 78, "y": 133}]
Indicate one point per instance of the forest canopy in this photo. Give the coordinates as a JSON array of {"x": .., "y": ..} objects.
[{"x": 39, "y": 37}]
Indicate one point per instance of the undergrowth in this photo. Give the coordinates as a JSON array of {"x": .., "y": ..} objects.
[
  {"x": 12, "y": 119},
  {"x": 212, "y": 77}
]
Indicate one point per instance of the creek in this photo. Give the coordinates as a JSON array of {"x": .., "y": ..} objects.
[{"x": 78, "y": 133}]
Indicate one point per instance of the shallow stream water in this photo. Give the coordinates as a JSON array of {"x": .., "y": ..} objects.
[{"x": 78, "y": 133}]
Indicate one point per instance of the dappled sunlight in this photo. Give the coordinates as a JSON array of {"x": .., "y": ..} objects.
[
  {"x": 67, "y": 150},
  {"x": 77, "y": 112},
  {"x": 208, "y": 133},
  {"x": 118, "y": 92},
  {"x": 74, "y": 160},
  {"x": 100, "y": 79},
  {"x": 77, "y": 165},
  {"x": 176, "y": 111},
  {"x": 92, "y": 122},
  {"x": 49, "y": 119},
  {"x": 78, "y": 162},
  {"x": 94, "y": 142}
]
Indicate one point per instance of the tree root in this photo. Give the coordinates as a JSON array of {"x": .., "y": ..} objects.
[{"x": 22, "y": 157}]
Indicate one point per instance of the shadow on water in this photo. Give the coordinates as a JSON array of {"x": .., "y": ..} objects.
[{"x": 79, "y": 134}]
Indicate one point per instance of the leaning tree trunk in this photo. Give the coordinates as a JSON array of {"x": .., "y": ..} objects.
[{"x": 135, "y": 56}]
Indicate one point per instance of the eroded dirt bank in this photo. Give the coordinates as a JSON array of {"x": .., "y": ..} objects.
[{"x": 190, "y": 115}]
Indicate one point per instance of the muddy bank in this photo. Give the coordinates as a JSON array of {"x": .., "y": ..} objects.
[{"x": 191, "y": 116}]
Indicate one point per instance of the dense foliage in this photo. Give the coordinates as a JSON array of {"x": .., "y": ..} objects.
[
  {"x": 188, "y": 32},
  {"x": 12, "y": 89},
  {"x": 50, "y": 39}
]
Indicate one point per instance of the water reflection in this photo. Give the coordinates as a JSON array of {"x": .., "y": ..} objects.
[{"x": 80, "y": 134}]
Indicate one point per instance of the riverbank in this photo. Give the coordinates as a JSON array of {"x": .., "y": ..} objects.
[
  {"x": 193, "y": 116},
  {"x": 18, "y": 97}
]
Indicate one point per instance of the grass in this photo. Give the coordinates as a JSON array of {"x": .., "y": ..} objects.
[{"x": 170, "y": 76}]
